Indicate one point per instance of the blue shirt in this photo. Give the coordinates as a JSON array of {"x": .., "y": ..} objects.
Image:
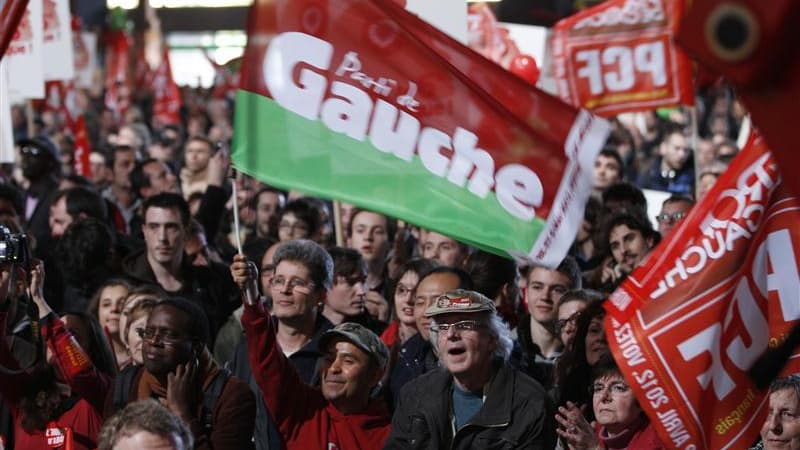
[{"x": 465, "y": 405}]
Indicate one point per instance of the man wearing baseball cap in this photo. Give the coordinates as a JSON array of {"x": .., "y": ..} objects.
[
  {"x": 476, "y": 398},
  {"x": 341, "y": 413}
]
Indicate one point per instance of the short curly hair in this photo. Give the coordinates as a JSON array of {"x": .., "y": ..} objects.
[{"x": 145, "y": 415}]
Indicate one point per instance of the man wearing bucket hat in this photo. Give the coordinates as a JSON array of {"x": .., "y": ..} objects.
[
  {"x": 341, "y": 413},
  {"x": 476, "y": 398}
]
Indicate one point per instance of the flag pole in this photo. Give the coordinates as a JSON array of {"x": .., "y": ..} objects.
[
  {"x": 337, "y": 223},
  {"x": 248, "y": 295}
]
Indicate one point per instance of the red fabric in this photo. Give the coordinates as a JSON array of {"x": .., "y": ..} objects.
[
  {"x": 75, "y": 366},
  {"x": 84, "y": 421},
  {"x": 82, "y": 148},
  {"x": 304, "y": 418},
  {"x": 117, "y": 82},
  {"x": 642, "y": 436},
  {"x": 713, "y": 293},
  {"x": 85, "y": 418},
  {"x": 390, "y": 334},
  {"x": 167, "y": 101},
  {"x": 767, "y": 78},
  {"x": 619, "y": 56}
]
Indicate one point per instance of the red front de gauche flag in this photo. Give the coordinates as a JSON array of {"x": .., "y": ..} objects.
[
  {"x": 688, "y": 325},
  {"x": 620, "y": 56}
]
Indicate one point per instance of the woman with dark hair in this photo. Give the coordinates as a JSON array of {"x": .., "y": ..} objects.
[
  {"x": 44, "y": 407},
  {"x": 84, "y": 256},
  {"x": 106, "y": 307},
  {"x": 403, "y": 325},
  {"x": 409, "y": 354},
  {"x": 620, "y": 422},
  {"x": 574, "y": 368}
]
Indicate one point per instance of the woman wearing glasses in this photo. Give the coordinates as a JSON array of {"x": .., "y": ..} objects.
[{"x": 620, "y": 422}]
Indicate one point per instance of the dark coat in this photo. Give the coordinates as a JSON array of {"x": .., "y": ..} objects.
[
  {"x": 516, "y": 414},
  {"x": 211, "y": 287}
]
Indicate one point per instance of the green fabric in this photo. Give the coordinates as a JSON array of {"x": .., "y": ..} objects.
[{"x": 286, "y": 150}]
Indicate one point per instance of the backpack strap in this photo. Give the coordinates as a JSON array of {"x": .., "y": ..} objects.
[
  {"x": 211, "y": 395},
  {"x": 122, "y": 386}
]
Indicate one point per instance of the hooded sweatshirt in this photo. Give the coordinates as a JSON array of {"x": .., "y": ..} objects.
[{"x": 305, "y": 419}]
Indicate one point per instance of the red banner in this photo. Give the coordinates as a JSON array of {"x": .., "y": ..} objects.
[
  {"x": 10, "y": 17},
  {"x": 762, "y": 64},
  {"x": 688, "y": 325},
  {"x": 117, "y": 82},
  {"x": 167, "y": 103},
  {"x": 82, "y": 148},
  {"x": 620, "y": 56},
  {"x": 60, "y": 100}
]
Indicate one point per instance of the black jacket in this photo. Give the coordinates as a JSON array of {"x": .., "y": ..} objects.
[
  {"x": 211, "y": 287},
  {"x": 516, "y": 414},
  {"x": 409, "y": 361}
]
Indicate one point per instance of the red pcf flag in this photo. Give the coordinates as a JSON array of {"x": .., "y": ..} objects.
[
  {"x": 620, "y": 56},
  {"x": 167, "y": 104},
  {"x": 688, "y": 325}
]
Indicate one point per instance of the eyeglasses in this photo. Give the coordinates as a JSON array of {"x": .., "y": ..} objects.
[
  {"x": 295, "y": 284},
  {"x": 463, "y": 325},
  {"x": 167, "y": 337},
  {"x": 670, "y": 218},
  {"x": 561, "y": 323},
  {"x": 402, "y": 291},
  {"x": 616, "y": 388}
]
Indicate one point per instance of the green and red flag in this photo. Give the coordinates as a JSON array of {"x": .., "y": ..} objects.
[
  {"x": 362, "y": 101},
  {"x": 690, "y": 327}
]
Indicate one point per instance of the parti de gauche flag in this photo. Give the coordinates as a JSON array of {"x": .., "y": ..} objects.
[{"x": 363, "y": 102}]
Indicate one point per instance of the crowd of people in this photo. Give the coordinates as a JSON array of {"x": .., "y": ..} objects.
[{"x": 132, "y": 321}]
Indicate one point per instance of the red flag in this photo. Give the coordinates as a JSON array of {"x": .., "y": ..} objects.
[
  {"x": 117, "y": 81},
  {"x": 57, "y": 99},
  {"x": 688, "y": 325},
  {"x": 10, "y": 16},
  {"x": 761, "y": 59},
  {"x": 363, "y": 101},
  {"x": 82, "y": 148},
  {"x": 167, "y": 102},
  {"x": 619, "y": 56}
]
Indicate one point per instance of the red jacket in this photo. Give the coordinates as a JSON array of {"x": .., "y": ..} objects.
[
  {"x": 84, "y": 416},
  {"x": 640, "y": 435},
  {"x": 304, "y": 418},
  {"x": 389, "y": 336}
]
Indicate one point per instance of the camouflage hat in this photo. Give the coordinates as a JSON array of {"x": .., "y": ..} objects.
[
  {"x": 460, "y": 301},
  {"x": 360, "y": 336}
]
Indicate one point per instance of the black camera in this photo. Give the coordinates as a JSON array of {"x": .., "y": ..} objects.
[{"x": 13, "y": 247}]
